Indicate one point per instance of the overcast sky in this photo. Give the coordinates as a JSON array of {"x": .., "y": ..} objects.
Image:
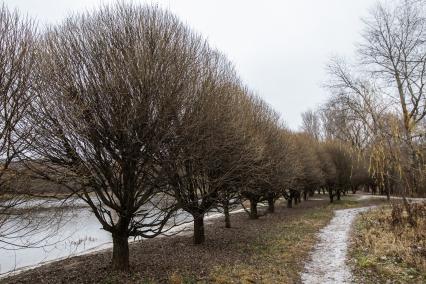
[{"x": 279, "y": 48}]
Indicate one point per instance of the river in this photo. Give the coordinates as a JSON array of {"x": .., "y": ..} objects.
[{"x": 71, "y": 231}]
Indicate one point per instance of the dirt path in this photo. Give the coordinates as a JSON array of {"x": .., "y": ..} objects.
[{"x": 328, "y": 259}]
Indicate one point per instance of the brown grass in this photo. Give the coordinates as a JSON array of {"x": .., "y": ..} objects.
[{"x": 386, "y": 248}]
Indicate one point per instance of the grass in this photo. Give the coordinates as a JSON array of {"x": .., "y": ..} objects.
[
  {"x": 279, "y": 255},
  {"x": 386, "y": 253}
]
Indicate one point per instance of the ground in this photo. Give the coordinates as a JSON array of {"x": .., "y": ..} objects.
[{"x": 271, "y": 249}]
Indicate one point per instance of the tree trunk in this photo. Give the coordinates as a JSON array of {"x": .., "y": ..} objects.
[
  {"x": 227, "y": 217},
  {"x": 411, "y": 220},
  {"x": 120, "y": 252},
  {"x": 305, "y": 195},
  {"x": 289, "y": 202},
  {"x": 199, "y": 236},
  {"x": 338, "y": 194},
  {"x": 253, "y": 210},
  {"x": 387, "y": 189},
  {"x": 271, "y": 204}
]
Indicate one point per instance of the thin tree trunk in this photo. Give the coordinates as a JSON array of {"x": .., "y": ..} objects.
[
  {"x": 411, "y": 220},
  {"x": 253, "y": 210},
  {"x": 289, "y": 202},
  {"x": 120, "y": 252},
  {"x": 199, "y": 236},
  {"x": 226, "y": 213},
  {"x": 271, "y": 204},
  {"x": 387, "y": 189},
  {"x": 330, "y": 194}
]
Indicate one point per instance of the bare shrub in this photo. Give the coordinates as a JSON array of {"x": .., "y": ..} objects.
[{"x": 397, "y": 214}]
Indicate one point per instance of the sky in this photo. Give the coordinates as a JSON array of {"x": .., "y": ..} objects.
[{"x": 279, "y": 48}]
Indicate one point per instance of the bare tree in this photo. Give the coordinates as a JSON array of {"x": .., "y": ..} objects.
[
  {"x": 394, "y": 50},
  {"x": 274, "y": 165},
  {"x": 262, "y": 126},
  {"x": 311, "y": 124},
  {"x": 286, "y": 165},
  {"x": 17, "y": 37},
  {"x": 310, "y": 177},
  {"x": 339, "y": 155},
  {"x": 203, "y": 159},
  {"x": 241, "y": 156},
  {"x": 378, "y": 105},
  {"x": 110, "y": 84}
]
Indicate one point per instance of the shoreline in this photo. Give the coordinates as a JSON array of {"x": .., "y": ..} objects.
[
  {"x": 179, "y": 230},
  {"x": 224, "y": 251}
]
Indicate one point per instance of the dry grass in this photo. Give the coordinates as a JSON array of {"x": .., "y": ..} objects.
[
  {"x": 278, "y": 256},
  {"x": 386, "y": 249}
]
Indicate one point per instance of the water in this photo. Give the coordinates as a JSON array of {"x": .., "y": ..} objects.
[{"x": 75, "y": 232}]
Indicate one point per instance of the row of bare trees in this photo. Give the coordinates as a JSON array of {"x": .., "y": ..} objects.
[
  {"x": 378, "y": 103},
  {"x": 135, "y": 114}
]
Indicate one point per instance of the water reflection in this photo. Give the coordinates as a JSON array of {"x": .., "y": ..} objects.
[{"x": 77, "y": 231}]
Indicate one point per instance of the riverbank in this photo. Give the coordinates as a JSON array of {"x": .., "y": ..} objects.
[{"x": 271, "y": 249}]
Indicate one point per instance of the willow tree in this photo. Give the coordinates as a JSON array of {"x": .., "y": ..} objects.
[
  {"x": 272, "y": 157},
  {"x": 109, "y": 84},
  {"x": 393, "y": 50},
  {"x": 241, "y": 155},
  {"x": 339, "y": 156},
  {"x": 310, "y": 176},
  {"x": 203, "y": 157},
  {"x": 382, "y": 97}
]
